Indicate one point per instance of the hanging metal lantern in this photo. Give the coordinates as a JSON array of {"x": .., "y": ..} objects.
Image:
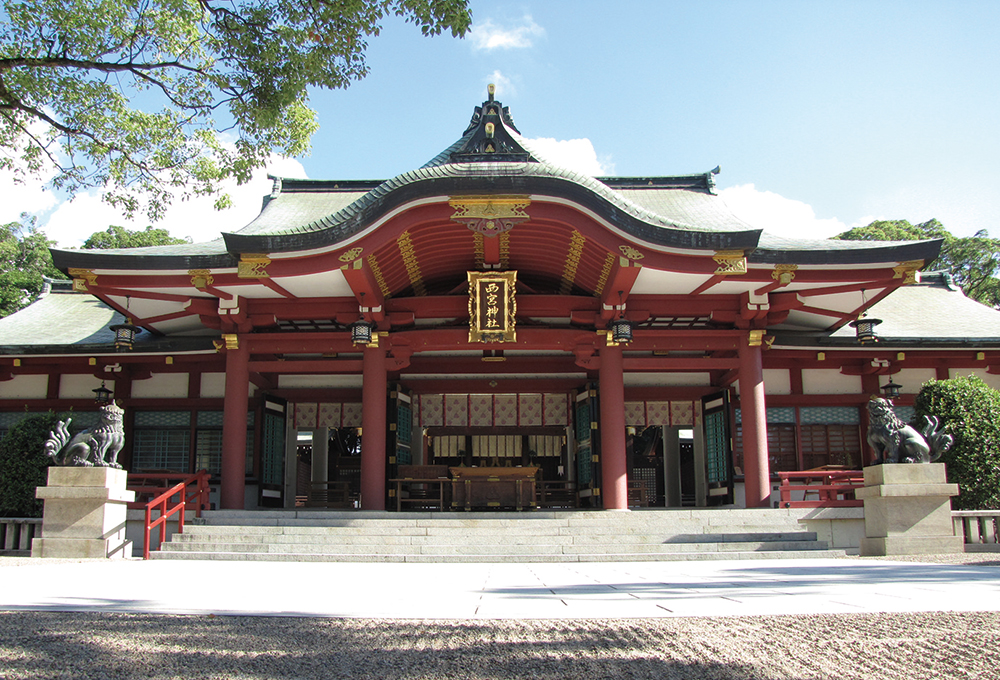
[
  {"x": 124, "y": 335},
  {"x": 864, "y": 329},
  {"x": 891, "y": 389},
  {"x": 102, "y": 395},
  {"x": 361, "y": 332},
  {"x": 621, "y": 330}
]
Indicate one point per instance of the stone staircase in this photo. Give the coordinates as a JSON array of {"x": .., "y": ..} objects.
[{"x": 543, "y": 536}]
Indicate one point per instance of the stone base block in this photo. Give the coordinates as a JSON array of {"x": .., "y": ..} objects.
[
  {"x": 103, "y": 477},
  {"x": 911, "y": 545},
  {"x": 82, "y": 548},
  {"x": 908, "y": 511},
  {"x": 85, "y": 513}
]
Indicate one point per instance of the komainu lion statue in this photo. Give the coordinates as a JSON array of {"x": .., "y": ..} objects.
[
  {"x": 94, "y": 446},
  {"x": 896, "y": 442}
]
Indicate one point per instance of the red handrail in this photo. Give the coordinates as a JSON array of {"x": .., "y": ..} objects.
[
  {"x": 833, "y": 488},
  {"x": 199, "y": 496}
]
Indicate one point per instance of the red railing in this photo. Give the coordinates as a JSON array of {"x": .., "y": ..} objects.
[
  {"x": 831, "y": 488},
  {"x": 191, "y": 492}
]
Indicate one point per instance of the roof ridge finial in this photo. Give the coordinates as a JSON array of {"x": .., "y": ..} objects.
[{"x": 491, "y": 91}]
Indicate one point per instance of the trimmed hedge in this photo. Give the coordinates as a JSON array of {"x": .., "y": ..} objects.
[
  {"x": 24, "y": 465},
  {"x": 970, "y": 410}
]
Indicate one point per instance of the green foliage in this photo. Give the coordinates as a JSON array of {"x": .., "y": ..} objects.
[
  {"x": 120, "y": 237},
  {"x": 137, "y": 95},
  {"x": 24, "y": 465},
  {"x": 970, "y": 410},
  {"x": 974, "y": 261},
  {"x": 24, "y": 260}
]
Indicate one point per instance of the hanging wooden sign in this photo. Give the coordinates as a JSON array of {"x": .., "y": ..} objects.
[{"x": 492, "y": 306}]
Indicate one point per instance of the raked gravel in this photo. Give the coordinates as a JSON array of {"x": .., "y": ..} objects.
[{"x": 43, "y": 645}]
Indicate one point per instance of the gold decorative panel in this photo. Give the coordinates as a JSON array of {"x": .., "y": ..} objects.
[
  {"x": 253, "y": 266},
  {"x": 490, "y": 215},
  {"x": 784, "y": 273},
  {"x": 409, "y": 256},
  {"x": 602, "y": 280},
  {"x": 82, "y": 278},
  {"x": 907, "y": 271},
  {"x": 492, "y": 306},
  {"x": 730, "y": 262},
  {"x": 576, "y": 243},
  {"x": 201, "y": 278}
]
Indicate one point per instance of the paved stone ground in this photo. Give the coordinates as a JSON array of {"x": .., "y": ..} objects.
[{"x": 44, "y": 645}]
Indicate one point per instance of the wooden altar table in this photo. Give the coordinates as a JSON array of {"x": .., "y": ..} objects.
[{"x": 493, "y": 487}]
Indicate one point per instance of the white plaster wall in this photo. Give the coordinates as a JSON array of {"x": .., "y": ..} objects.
[
  {"x": 777, "y": 381},
  {"x": 161, "y": 386},
  {"x": 319, "y": 381},
  {"x": 675, "y": 379},
  {"x": 25, "y": 387},
  {"x": 213, "y": 385},
  {"x": 823, "y": 381},
  {"x": 911, "y": 379},
  {"x": 988, "y": 378},
  {"x": 79, "y": 386}
]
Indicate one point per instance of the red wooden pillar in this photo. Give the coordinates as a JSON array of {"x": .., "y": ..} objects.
[
  {"x": 614, "y": 481},
  {"x": 234, "y": 427},
  {"x": 373, "y": 425},
  {"x": 757, "y": 474}
]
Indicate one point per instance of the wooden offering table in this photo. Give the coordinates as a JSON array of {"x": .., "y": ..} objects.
[{"x": 493, "y": 487}]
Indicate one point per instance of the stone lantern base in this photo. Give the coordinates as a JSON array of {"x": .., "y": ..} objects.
[
  {"x": 908, "y": 510},
  {"x": 84, "y": 514}
]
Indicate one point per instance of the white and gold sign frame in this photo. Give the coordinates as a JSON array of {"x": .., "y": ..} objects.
[{"x": 492, "y": 306}]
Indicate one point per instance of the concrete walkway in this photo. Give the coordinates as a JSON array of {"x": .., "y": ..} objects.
[{"x": 498, "y": 591}]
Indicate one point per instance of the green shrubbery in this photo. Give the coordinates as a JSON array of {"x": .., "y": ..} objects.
[
  {"x": 23, "y": 465},
  {"x": 970, "y": 410}
]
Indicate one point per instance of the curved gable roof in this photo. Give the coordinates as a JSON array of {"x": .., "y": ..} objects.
[{"x": 681, "y": 213}]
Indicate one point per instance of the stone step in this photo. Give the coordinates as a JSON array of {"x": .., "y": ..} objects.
[
  {"x": 521, "y": 558},
  {"x": 495, "y": 549},
  {"x": 761, "y": 517},
  {"x": 335, "y": 537},
  {"x": 537, "y": 526},
  {"x": 493, "y": 537}
]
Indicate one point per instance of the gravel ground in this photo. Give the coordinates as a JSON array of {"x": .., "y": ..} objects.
[{"x": 42, "y": 645}]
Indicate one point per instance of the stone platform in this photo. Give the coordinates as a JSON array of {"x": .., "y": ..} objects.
[
  {"x": 84, "y": 514},
  {"x": 908, "y": 511}
]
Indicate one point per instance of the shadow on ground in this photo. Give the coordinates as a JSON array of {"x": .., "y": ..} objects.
[{"x": 42, "y": 645}]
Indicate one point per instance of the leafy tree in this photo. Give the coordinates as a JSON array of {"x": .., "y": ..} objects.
[
  {"x": 135, "y": 95},
  {"x": 970, "y": 410},
  {"x": 120, "y": 237},
  {"x": 23, "y": 465},
  {"x": 24, "y": 260},
  {"x": 974, "y": 261}
]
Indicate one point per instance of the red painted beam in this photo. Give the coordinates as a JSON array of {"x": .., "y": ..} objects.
[
  {"x": 685, "y": 364},
  {"x": 472, "y": 365},
  {"x": 366, "y": 289},
  {"x": 618, "y": 287},
  {"x": 306, "y": 366},
  {"x": 491, "y": 385}
]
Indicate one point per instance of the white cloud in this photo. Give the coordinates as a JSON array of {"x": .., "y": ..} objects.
[
  {"x": 29, "y": 196},
  {"x": 491, "y": 36},
  {"x": 72, "y": 222},
  {"x": 572, "y": 154},
  {"x": 779, "y": 215}
]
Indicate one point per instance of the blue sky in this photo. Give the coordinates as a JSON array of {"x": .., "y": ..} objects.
[{"x": 822, "y": 115}]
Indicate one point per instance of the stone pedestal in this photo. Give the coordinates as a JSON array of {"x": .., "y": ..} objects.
[
  {"x": 84, "y": 513},
  {"x": 908, "y": 510}
]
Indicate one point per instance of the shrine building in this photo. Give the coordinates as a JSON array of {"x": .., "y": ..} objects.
[{"x": 628, "y": 340}]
